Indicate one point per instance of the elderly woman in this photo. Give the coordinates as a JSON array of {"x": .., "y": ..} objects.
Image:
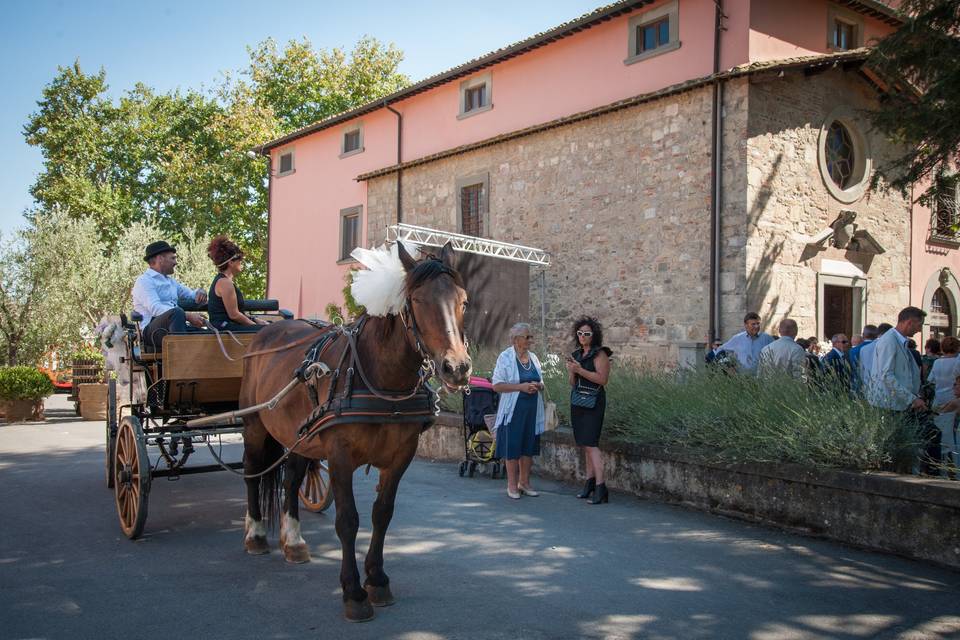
[
  {"x": 588, "y": 368},
  {"x": 518, "y": 379},
  {"x": 225, "y": 302}
]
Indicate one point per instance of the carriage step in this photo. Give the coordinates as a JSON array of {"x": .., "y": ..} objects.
[{"x": 160, "y": 473}]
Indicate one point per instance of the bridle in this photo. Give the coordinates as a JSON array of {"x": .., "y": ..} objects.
[{"x": 428, "y": 366}]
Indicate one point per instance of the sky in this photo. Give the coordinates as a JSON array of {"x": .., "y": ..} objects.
[{"x": 170, "y": 45}]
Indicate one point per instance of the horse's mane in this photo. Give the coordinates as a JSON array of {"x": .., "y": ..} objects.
[
  {"x": 384, "y": 285},
  {"x": 428, "y": 269}
]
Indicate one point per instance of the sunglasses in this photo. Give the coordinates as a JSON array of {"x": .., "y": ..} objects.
[
  {"x": 585, "y": 334},
  {"x": 843, "y": 341}
]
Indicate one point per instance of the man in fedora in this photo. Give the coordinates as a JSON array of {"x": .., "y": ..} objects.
[{"x": 156, "y": 296}]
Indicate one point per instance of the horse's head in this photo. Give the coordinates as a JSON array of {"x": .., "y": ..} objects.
[{"x": 436, "y": 299}]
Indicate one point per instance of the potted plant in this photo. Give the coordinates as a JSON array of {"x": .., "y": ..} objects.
[{"x": 22, "y": 391}]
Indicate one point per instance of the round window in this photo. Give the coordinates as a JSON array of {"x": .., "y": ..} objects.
[{"x": 844, "y": 156}]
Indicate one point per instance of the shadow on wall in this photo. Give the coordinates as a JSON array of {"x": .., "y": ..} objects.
[{"x": 760, "y": 276}]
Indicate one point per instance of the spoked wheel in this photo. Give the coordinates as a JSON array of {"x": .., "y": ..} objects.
[
  {"x": 111, "y": 430},
  {"x": 131, "y": 477},
  {"x": 315, "y": 491}
]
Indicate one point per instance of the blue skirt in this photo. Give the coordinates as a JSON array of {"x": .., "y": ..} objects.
[{"x": 518, "y": 437}]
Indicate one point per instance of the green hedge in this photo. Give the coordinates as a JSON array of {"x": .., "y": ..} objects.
[
  {"x": 24, "y": 383},
  {"x": 731, "y": 419}
]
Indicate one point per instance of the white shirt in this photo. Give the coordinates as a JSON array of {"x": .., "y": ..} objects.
[
  {"x": 747, "y": 349},
  {"x": 507, "y": 371},
  {"x": 154, "y": 294}
]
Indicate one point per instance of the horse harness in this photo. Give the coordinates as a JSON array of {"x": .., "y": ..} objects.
[{"x": 358, "y": 399}]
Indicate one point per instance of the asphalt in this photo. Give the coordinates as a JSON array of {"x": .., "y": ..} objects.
[{"x": 465, "y": 562}]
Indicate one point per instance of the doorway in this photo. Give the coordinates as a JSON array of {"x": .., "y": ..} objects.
[{"x": 841, "y": 305}]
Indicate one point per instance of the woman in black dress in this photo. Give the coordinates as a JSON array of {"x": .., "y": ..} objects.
[
  {"x": 589, "y": 369},
  {"x": 225, "y": 303}
]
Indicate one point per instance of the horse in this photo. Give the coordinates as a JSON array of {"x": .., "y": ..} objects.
[{"x": 423, "y": 333}]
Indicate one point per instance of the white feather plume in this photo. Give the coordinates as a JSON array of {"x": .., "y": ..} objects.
[{"x": 379, "y": 287}]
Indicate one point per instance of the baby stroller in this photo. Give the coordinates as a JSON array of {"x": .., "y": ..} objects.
[{"x": 479, "y": 412}]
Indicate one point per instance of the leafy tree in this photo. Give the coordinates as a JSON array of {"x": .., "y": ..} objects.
[
  {"x": 23, "y": 336},
  {"x": 179, "y": 159},
  {"x": 301, "y": 85},
  {"x": 920, "y": 62}
]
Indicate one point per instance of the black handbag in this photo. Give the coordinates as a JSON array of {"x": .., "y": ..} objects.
[{"x": 584, "y": 397}]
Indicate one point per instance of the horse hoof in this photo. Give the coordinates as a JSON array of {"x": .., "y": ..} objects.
[
  {"x": 297, "y": 554},
  {"x": 357, "y": 610},
  {"x": 256, "y": 546},
  {"x": 379, "y": 596}
]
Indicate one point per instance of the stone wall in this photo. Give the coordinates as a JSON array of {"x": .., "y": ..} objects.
[
  {"x": 621, "y": 202},
  {"x": 918, "y": 518},
  {"x": 787, "y": 202}
]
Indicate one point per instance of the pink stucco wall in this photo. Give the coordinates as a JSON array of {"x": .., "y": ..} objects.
[
  {"x": 788, "y": 28},
  {"x": 574, "y": 74}
]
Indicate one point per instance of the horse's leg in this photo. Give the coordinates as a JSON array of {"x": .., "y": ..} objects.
[
  {"x": 291, "y": 541},
  {"x": 377, "y": 583},
  {"x": 256, "y": 445},
  {"x": 356, "y": 606}
]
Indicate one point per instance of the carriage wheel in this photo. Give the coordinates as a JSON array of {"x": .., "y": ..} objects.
[
  {"x": 131, "y": 477},
  {"x": 111, "y": 430},
  {"x": 315, "y": 491}
]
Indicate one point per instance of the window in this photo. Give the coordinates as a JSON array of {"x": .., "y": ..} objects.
[
  {"x": 476, "y": 95},
  {"x": 946, "y": 212},
  {"x": 472, "y": 208},
  {"x": 653, "y": 32},
  {"x": 940, "y": 317},
  {"x": 286, "y": 163},
  {"x": 349, "y": 231},
  {"x": 351, "y": 142},
  {"x": 840, "y": 154},
  {"x": 844, "y": 29},
  {"x": 843, "y": 155}
]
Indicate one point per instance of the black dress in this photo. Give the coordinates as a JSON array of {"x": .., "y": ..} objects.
[
  {"x": 587, "y": 423},
  {"x": 218, "y": 312}
]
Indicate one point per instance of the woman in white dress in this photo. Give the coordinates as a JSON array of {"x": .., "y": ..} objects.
[{"x": 943, "y": 374}]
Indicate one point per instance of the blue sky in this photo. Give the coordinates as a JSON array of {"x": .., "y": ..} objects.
[{"x": 189, "y": 44}]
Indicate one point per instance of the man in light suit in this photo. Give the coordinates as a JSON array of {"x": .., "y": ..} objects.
[
  {"x": 895, "y": 375},
  {"x": 865, "y": 357},
  {"x": 783, "y": 355}
]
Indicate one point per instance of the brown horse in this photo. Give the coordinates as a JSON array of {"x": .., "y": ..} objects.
[{"x": 392, "y": 350}]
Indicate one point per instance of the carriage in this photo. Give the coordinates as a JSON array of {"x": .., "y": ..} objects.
[{"x": 152, "y": 396}]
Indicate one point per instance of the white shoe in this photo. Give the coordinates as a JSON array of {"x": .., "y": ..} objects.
[
  {"x": 512, "y": 495},
  {"x": 527, "y": 491}
]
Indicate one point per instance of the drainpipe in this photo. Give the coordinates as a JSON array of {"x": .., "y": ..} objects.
[
  {"x": 716, "y": 179},
  {"x": 269, "y": 155},
  {"x": 399, "y": 160}
]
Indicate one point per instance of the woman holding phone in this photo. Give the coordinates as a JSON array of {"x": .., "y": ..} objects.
[{"x": 588, "y": 368}]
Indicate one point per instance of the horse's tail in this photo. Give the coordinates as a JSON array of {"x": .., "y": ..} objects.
[{"x": 271, "y": 485}]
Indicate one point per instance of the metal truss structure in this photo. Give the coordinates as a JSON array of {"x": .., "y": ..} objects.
[{"x": 470, "y": 244}]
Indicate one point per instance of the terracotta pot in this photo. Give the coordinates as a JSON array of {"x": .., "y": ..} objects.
[{"x": 22, "y": 410}]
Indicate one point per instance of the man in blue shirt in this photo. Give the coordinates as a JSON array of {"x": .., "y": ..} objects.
[
  {"x": 156, "y": 296},
  {"x": 747, "y": 344},
  {"x": 870, "y": 333}
]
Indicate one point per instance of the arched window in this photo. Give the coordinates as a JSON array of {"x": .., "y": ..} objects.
[{"x": 941, "y": 320}]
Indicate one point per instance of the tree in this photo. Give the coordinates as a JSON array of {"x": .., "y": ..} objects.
[
  {"x": 86, "y": 278},
  {"x": 180, "y": 159},
  {"x": 302, "y": 86},
  {"x": 920, "y": 64},
  {"x": 23, "y": 336}
]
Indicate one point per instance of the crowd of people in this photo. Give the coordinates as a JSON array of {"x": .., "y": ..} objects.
[{"x": 882, "y": 366}]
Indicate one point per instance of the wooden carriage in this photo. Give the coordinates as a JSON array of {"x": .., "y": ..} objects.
[{"x": 194, "y": 375}]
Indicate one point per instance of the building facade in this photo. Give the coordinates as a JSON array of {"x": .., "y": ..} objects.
[{"x": 679, "y": 175}]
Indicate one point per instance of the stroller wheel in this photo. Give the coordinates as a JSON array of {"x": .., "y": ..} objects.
[
  {"x": 473, "y": 469},
  {"x": 463, "y": 468}
]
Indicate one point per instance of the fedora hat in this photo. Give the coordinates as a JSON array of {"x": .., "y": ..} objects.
[{"x": 156, "y": 248}]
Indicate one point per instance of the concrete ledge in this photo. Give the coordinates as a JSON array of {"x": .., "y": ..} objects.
[{"x": 918, "y": 518}]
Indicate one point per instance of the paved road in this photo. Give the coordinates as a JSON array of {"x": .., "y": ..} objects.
[{"x": 465, "y": 561}]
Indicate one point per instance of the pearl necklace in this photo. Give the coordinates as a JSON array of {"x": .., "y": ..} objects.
[{"x": 526, "y": 367}]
